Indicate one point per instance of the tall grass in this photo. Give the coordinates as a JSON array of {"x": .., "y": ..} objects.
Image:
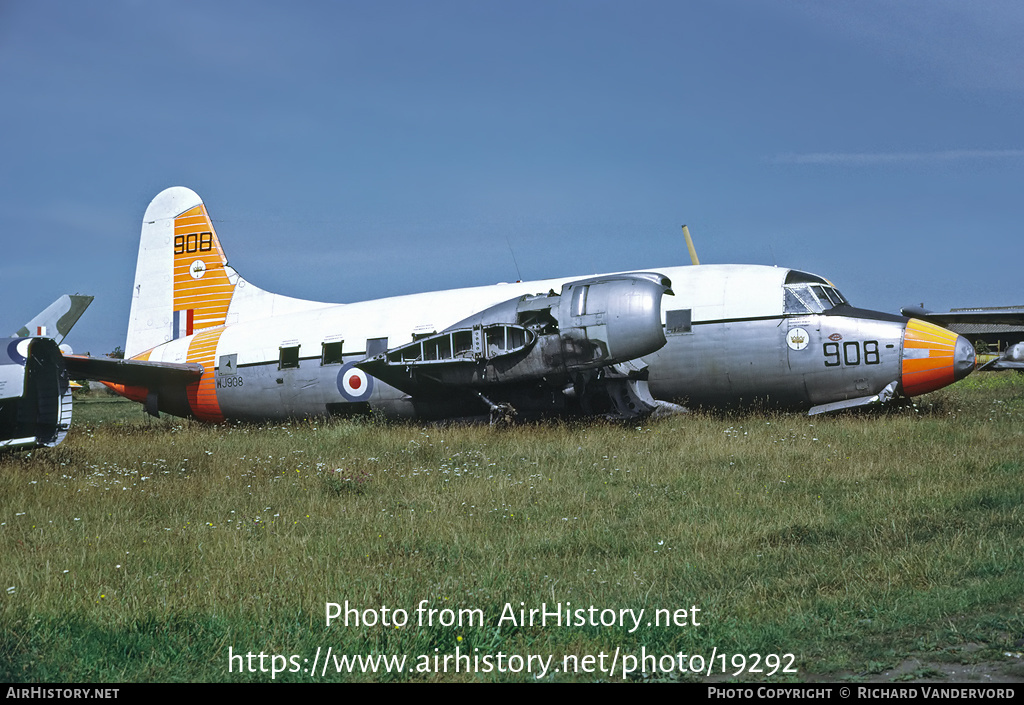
[{"x": 142, "y": 550}]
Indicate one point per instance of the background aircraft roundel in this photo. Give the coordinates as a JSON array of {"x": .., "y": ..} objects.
[{"x": 17, "y": 350}]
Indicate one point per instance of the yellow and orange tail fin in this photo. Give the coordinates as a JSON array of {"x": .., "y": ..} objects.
[{"x": 183, "y": 283}]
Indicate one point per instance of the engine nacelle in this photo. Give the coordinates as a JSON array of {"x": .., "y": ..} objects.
[
  {"x": 35, "y": 393},
  {"x": 609, "y": 320}
]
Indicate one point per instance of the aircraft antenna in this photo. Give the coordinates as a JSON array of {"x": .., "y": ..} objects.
[
  {"x": 689, "y": 245},
  {"x": 519, "y": 276}
]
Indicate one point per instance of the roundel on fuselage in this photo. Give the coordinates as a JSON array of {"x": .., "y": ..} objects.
[
  {"x": 797, "y": 338},
  {"x": 17, "y": 350},
  {"x": 354, "y": 384}
]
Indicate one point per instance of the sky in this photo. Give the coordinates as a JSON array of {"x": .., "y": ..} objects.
[{"x": 352, "y": 150}]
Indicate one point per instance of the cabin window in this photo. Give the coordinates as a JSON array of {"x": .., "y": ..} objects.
[
  {"x": 375, "y": 346},
  {"x": 331, "y": 353},
  {"x": 289, "y": 358},
  {"x": 678, "y": 321}
]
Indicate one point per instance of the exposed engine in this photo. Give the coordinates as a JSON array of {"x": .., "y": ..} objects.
[{"x": 547, "y": 352}]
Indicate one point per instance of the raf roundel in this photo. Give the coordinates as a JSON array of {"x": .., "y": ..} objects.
[
  {"x": 17, "y": 350},
  {"x": 354, "y": 384}
]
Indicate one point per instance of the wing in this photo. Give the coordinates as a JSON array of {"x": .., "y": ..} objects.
[
  {"x": 132, "y": 373},
  {"x": 540, "y": 352}
]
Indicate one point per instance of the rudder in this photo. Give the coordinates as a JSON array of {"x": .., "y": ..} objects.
[{"x": 183, "y": 283}]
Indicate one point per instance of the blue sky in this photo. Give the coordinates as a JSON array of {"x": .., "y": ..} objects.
[{"x": 354, "y": 150}]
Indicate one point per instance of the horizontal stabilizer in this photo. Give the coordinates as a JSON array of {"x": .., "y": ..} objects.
[{"x": 132, "y": 373}]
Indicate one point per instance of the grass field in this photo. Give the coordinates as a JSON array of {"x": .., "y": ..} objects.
[{"x": 144, "y": 550}]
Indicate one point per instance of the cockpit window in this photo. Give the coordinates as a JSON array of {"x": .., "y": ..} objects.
[
  {"x": 830, "y": 294},
  {"x": 799, "y": 300},
  {"x": 822, "y": 297},
  {"x": 811, "y": 298}
]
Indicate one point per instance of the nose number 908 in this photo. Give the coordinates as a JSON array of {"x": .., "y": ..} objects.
[{"x": 851, "y": 353}]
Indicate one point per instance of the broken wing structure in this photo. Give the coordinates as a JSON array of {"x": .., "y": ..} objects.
[
  {"x": 541, "y": 352},
  {"x": 205, "y": 343}
]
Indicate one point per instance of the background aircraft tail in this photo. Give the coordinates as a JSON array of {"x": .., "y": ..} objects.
[{"x": 57, "y": 319}]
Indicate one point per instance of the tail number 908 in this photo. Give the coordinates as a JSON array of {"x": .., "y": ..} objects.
[{"x": 851, "y": 353}]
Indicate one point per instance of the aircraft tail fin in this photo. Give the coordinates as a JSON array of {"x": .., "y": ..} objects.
[
  {"x": 57, "y": 319},
  {"x": 183, "y": 283}
]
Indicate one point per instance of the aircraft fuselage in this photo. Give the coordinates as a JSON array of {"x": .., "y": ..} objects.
[{"x": 734, "y": 334}]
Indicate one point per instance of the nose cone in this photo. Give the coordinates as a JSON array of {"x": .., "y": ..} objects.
[{"x": 933, "y": 357}]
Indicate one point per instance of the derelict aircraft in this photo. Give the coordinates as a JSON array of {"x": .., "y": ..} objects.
[
  {"x": 205, "y": 343},
  {"x": 35, "y": 391}
]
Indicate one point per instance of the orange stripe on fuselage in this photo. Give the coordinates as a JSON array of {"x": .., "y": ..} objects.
[{"x": 202, "y": 395}]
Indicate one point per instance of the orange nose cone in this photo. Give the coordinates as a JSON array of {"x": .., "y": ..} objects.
[{"x": 933, "y": 357}]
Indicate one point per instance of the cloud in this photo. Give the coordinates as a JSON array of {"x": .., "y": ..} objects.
[{"x": 874, "y": 158}]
